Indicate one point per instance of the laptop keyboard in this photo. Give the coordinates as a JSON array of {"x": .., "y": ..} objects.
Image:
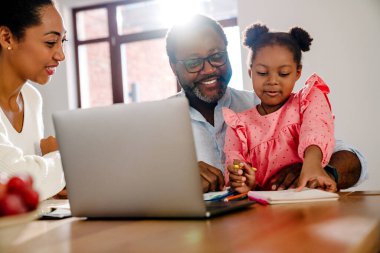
[{"x": 215, "y": 205}]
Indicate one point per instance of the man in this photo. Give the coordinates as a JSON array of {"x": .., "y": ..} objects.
[{"x": 198, "y": 56}]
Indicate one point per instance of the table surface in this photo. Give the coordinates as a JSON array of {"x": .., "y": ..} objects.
[{"x": 350, "y": 224}]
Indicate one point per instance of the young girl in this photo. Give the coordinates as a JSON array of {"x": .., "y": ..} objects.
[
  {"x": 31, "y": 38},
  {"x": 287, "y": 127}
]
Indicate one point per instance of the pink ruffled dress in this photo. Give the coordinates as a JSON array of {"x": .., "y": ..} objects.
[{"x": 271, "y": 142}]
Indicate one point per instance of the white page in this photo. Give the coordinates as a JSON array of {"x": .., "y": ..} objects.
[{"x": 292, "y": 196}]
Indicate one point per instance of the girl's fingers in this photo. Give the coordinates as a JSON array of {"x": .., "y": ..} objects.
[
  {"x": 237, "y": 185},
  {"x": 236, "y": 178}
]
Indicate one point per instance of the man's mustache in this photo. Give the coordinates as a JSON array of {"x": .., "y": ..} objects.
[{"x": 197, "y": 83}]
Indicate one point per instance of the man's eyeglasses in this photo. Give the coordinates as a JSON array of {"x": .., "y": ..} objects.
[{"x": 195, "y": 65}]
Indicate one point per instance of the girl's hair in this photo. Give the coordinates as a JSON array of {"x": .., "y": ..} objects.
[
  {"x": 18, "y": 15},
  {"x": 257, "y": 36},
  {"x": 193, "y": 25}
]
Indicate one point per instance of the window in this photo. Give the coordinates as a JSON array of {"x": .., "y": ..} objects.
[{"x": 120, "y": 48}]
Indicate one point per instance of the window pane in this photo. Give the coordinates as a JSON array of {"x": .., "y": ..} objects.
[
  {"x": 234, "y": 54},
  {"x": 146, "y": 66},
  {"x": 92, "y": 24},
  {"x": 153, "y": 15},
  {"x": 138, "y": 17},
  {"x": 95, "y": 75}
]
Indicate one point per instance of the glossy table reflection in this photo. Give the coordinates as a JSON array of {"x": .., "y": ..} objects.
[{"x": 348, "y": 225}]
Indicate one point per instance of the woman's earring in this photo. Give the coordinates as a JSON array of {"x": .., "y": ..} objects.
[{"x": 9, "y": 48}]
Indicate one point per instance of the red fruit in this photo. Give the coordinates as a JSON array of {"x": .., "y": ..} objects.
[
  {"x": 30, "y": 198},
  {"x": 16, "y": 185},
  {"x": 28, "y": 179},
  {"x": 12, "y": 204}
]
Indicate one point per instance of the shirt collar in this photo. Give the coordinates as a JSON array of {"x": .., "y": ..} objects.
[{"x": 224, "y": 101}]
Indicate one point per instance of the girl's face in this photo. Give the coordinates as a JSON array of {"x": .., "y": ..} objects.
[
  {"x": 274, "y": 74},
  {"x": 36, "y": 56}
]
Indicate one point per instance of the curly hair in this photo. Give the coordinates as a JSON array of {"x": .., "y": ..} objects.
[{"x": 257, "y": 36}]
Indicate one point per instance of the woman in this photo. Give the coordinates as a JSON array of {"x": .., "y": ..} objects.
[{"x": 31, "y": 47}]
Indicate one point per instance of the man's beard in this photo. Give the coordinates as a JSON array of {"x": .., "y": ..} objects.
[{"x": 195, "y": 91}]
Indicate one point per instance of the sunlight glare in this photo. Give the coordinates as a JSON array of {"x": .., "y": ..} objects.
[{"x": 178, "y": 11}]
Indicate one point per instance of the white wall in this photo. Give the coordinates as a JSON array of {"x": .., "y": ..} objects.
[{"x": 345, "y": 52}]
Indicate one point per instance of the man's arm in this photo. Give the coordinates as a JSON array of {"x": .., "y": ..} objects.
[
  {"x": 348, "y": 167},
  {"x": 347, "y": 164}
]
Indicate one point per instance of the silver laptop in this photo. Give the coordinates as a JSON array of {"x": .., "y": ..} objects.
[{"x": 135, "y": 160}]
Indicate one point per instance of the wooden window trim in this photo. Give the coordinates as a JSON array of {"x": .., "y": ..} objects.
[{"x": 115, "y": 40}]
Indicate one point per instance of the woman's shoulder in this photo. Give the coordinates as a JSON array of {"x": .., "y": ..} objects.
[{"x": 31, "y": 95}]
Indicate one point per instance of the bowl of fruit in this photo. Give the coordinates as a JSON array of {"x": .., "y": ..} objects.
[{"x": 18, "y": 206}]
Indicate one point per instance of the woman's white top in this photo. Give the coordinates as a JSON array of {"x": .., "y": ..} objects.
[{"x": 20, "y": 152}]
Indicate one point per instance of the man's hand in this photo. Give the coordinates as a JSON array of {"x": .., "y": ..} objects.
[
  {"x": 286, "y": 178},
  {"x": 212, "y": 178},
  {"x": 48, "y": 145},
  {"x": 347, "y": 164}
]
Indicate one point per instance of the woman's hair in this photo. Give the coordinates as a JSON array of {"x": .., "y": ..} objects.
[
  {"x": 257, "y": 36},
  {"x": 193, "y": 25},
  {"x": 18, "y": 15}
]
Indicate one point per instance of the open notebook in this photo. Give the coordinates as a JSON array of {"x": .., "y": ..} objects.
[{"x": 292, "y": 196}]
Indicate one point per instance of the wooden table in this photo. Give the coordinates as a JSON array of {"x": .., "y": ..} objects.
[{"x": 348, "y": 225}]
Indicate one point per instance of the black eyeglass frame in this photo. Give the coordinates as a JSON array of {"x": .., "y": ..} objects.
[{"x": 208, "y": 58}]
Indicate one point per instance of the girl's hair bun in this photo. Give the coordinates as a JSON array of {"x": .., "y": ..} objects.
[
  {"x": 302, "y": 38},
  {"x": 252, "y": 33}
]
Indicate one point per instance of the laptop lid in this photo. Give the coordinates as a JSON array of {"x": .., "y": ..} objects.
[{"x": 135, "y": 160}]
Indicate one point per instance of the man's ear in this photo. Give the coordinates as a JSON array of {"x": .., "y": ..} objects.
[
  {"x": 172, "y": 66},
  {"x": 6, "y": 37}
]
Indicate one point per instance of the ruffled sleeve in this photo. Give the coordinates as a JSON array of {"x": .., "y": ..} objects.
[
  {"x": 313, "y": 82},
  {"x": 317, "y": 119},
  {"x": 236, "y": 143}
]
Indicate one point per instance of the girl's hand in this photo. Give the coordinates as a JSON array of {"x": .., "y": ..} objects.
[
  {"x": 242, "y": 176},
  {"x": 317, "y": 178}
]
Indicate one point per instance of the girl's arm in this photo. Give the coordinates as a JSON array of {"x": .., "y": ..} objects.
[
  {"x": 316, "y": 142},
  {"x": 238, "y": 174},
  {"x": 317, "y": 126}
]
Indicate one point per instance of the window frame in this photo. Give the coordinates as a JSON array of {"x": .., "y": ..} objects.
[{"x": 115, "y": 41}]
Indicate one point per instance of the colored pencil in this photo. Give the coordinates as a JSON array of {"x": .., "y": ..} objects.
[
  {"x": 259, "y": 201},
  {"x": 238, "y": 196}
]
